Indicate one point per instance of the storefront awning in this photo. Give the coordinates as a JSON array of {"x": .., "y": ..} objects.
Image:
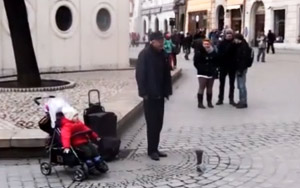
[{"x": 233, "y": 7}]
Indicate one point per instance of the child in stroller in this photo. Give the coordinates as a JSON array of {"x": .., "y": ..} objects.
[
  {"x": 70, "y": 125},
  {"x": 70, "y": 142}
]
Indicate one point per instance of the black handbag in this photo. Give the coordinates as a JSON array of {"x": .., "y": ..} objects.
[{"x": 45, "y": 124}]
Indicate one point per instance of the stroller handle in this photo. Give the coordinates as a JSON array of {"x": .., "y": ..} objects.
[{"x": 37, "y": 99}]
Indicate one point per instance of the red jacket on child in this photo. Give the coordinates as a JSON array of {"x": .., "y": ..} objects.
[{"x": 69, "y": 128}]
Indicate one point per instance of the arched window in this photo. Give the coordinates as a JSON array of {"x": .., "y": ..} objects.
[
  {"x": 166, "y": 25},
  {"x": 220, "y": 17},
  {"x": 156, "y": 24},
  {"x": 145, "y": 26},
  {"x": 182, "y": 22}
]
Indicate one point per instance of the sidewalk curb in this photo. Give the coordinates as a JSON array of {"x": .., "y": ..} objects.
[{"x": 24, "y": 143}]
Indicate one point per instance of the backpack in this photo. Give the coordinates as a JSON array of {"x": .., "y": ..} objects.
[{"x": 250, "y": 56}]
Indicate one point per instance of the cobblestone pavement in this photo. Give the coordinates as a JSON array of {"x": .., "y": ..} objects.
[
  {"x": 254, "y": 148},
  {"x": 18, "y": 110}
]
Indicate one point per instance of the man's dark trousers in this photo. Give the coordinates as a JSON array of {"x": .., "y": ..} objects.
[
  {"x": 271, "y": 45},
  {"x": 175, "y": 59},
  {"x": 154, "y": 114},
  {"x": 223, "y": 75}
]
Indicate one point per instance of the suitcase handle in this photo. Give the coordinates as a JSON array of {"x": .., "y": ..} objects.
[{"x": 94, "y": 91}]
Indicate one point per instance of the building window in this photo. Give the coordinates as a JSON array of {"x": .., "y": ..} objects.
[
  {"x": 298, "y": 39},
  {"x": 131, "y": 8},
  {"x": 279, "y": 25},
  {"x": 166, "y": 26},
  {"x": 64, "y": 18},
  {"x": 236, "y": 20},
  {"x": 156, "y": 24},
  {"x": 221, "y": 17},
  {"x": 145, "y": 27},
  {"x": 103, "y": 19},
  {"x": 197, "y": 20},
  {"x": 182, "y": 22}
]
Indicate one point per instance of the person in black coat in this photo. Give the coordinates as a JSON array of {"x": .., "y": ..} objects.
[
  {"x": 175, "y": 37},
  {"x": 271, "y": 40},
  {"x": 153, "y": 76},
  {"x": 187, "y": 45},
  {"x": 243, "y": 54},
  {"x": 206, "y": 63},
  {"x": 227, "y": 66}
]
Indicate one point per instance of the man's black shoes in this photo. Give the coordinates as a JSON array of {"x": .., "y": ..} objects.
[
  {"x": 219, "y": 102},
  {"x": 154, "y": 156},
  {"x": 241, "y": 106},
  {"x": 161, "y": 154},
  {"x": 231, "y": 102}
]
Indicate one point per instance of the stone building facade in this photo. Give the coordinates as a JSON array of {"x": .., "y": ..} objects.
[
  {"x": 71, "y": 35},
  {"x": 135, "y": 16},
  {"x": 156, "y": 15},
  {"x": 248, "y": 17}
]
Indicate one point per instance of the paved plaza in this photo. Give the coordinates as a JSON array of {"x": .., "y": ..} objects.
[
  {"x": 18, "y": 111},
  {"x": 258, "y": 147}
]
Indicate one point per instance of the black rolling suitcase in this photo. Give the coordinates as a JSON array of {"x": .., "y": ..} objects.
[
  {"x": 102, "y": 122},
  {"x": 105, "y": 125}
]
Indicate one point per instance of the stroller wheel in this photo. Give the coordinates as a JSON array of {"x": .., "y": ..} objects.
[
  {"x": 46, "y": 168},
  {"x": 79, "y": 175}
]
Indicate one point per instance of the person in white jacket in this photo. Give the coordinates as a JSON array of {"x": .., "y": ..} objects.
[{"x": 262, "y": 44}]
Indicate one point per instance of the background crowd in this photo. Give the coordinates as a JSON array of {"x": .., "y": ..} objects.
[{"x": 222, "y": 54}]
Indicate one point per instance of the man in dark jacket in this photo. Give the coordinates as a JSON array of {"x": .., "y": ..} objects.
[
  {"x": 187, "y": 45},
  {"x": 242, "y": 62},
  {"x": 153, "y": 75},
  {"x": 271, "y": 40},
  {"x": 176, "y": 41},
  {"x": 227, "y": 66}
]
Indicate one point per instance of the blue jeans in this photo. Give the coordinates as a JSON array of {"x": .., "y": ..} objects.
[{"x": 241, "y": 81}]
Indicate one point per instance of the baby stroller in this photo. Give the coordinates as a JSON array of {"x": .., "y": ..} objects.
[{"x": 55, "y": 150}]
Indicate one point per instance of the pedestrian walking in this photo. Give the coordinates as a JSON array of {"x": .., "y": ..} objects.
[
  {"x": 243, "y": 59},
  {"x": 227, "y": 66},
  {"x": 153, "y": 75},
  {"x": 176, "y": 41},
  {"x": 181, "y": 40},
  {"x": 187, "y": 45},
  {"x": 271, "y": 40},
  {"x": 262, "y": 44},
  {"x": 168, "y": 47},
  {"x": 214, "y": 37},
  {"x": 206, "y": 63},
  {"x": 197, "y": 35}
]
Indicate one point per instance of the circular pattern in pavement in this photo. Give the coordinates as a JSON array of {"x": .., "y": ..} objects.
[{"x": 239, "y": 156}]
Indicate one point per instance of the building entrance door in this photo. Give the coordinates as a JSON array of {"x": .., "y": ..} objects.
[
  {"x": 197, "y": 20},
  {"x": 236, "y": 20},
  {"x": 221, "y": 18}
]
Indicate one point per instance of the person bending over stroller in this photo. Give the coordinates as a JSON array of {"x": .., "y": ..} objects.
[{"x": 70, "y": 125}]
